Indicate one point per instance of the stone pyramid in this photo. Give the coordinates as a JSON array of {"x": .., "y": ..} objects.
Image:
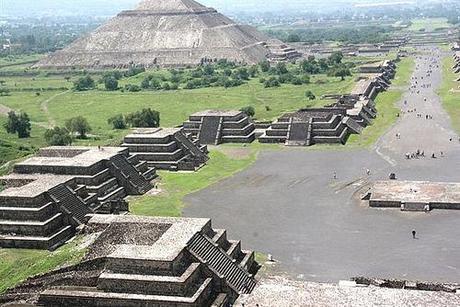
[{"x": 164, "y": 33}]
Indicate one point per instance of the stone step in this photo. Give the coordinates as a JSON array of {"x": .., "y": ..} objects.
[
  {"x": 209, "y": 253},
  {"x": 151, "y": 147},
  {"x": 68, "y": 296},
  {"x": 46, "y": 242},
  {"x": 151, "y": 284},
  {"x": 234, "y": 250},
  {"x": 25, "y": 214},
  {"x": 150, "y": 174},
  {"x": 118, "y": 193},
  {"x": 221, "y": 300},
  {"x": 103, "y": 188},
  {"x": 30, "y": 228},
  {"x": 142, "y": 166}
]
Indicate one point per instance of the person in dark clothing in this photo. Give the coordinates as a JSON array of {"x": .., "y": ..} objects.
[{"x": 413, "y": 234}]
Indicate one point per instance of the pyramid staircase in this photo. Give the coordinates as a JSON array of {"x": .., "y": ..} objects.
[{"x": 209, "y": 253}]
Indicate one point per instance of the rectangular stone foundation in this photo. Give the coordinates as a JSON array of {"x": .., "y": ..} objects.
[{"x": 415, "y": 195}]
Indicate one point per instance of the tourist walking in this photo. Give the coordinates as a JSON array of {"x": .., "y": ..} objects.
[{"x": 414, "y": 233}]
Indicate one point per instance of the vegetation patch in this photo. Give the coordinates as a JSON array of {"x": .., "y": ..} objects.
[
  {"x": 16, "y": 265},
  {"x": 450, "y": 91}
]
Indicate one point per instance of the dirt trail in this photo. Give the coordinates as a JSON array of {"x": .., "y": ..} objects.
[{"x": 44, "y": 108}]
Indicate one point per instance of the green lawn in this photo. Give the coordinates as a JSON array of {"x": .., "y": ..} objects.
[
  {"x": 16, "y": 265},
  {"x": 450, "y": 99},
  {"x": 404, "y": 72},
  {"x": 175, "y": 106},
  {"x": 175, "y": 186},
  {"x": 19, "y": 59},
  {"x": 386, "y": 117},
  {"x": 429, "y": 24}
]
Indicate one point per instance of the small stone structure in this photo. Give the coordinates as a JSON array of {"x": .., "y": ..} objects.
[
  {"x": 456, "y": 67},
  {"x": 333, "y": 123},
  {"x": 48, "y": 196},
  {"x": 168, "y": 33},
  {"x": 215, "y": 127},
  {"x": 387, "y": 68},
  {"x": 144, "y": 261},
  {"x": 168, "y": 149},
  {"x": 414, "y": 195}
]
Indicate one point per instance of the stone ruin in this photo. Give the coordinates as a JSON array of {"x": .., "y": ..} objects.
[
  {"x": 456, "y": 67},
  {"x": 414, "y": 195},
  {"x": 143, "y": 261},
  {"x": 214, "y": 127},
  {"x": 48, "y": 196},
  {"x": 387, "y": 68},
  {"x": 166, "y": 149},
  {"x": 168, "y": 33},
  {"x": 333, "y": 123}
]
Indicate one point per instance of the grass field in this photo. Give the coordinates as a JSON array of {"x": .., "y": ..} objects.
[
  {"x": 405, "y": 69},
  {"x": 429, "y": 24},
  {"x": 16, "y": 265},
  {"x": 175, "y": 106},
  {"x": 450, "y": 92}
]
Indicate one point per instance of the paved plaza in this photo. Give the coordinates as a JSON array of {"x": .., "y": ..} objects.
[{"x": 289, "y": 205}]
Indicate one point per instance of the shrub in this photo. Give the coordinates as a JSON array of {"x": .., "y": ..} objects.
[
  {"x": 58, "y": 137},
  {"x": 78, "y": 125},
  {"x": 111, "y": 84},
  {"x": 18, "y": 124},
  {"x": 310, "y": 95},
  {"x": 147, "y": 118},
  {"x": 84, "y": 84},
  {"x": 249, "y": 111},
  {"x": 118, "y": 122}
]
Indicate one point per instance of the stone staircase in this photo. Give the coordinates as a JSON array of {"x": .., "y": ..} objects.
[
  {"x": 299, "y": 134},
  {"x": 131, "y": 174},
  {"x": 192, "y": 147},
  {"x": 71, "y": 203},
  {"x": 209, "y": 130},
  {"x": 209, "y": 253}
]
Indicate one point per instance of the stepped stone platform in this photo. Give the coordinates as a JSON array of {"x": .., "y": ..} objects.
[
  {"x": 49, "y": 195},
  {"x": 168, "y": 149},
  {"x": 214, "y": 127},
  {"x": 415, "y": 195},
  {"x": 144, "y": 261},
  {"x": 334, "y": 123},
  {"x": 168, "y": 33},
  {"x": 386, "y": 67}
]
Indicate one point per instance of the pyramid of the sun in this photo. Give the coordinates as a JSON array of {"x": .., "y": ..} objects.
[{"x": 167, "y": 33}]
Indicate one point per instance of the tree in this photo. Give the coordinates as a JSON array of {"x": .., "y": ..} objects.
[
  {"x": 4, "y": 92},
  {"x": 336, "y": 58},
  {"x": 118, "y": 122},
  {"x": 310, "y": 95},
  {"x": 111, "y": 84},
  {"x": 249, "y": 111},
  {"x": 58, "y": 137},
  {"x": 84, "y": 84},
  {"x": 264, "y": 66},
  {"x": 147, "y": 118},
  {"x": 340, "y": 71},
  {"x": 281, "y": 68},
  {"x": 293, "y": 38},
  {"x": 78, "y": 125},
  {"x": 18, "y": 124}
]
